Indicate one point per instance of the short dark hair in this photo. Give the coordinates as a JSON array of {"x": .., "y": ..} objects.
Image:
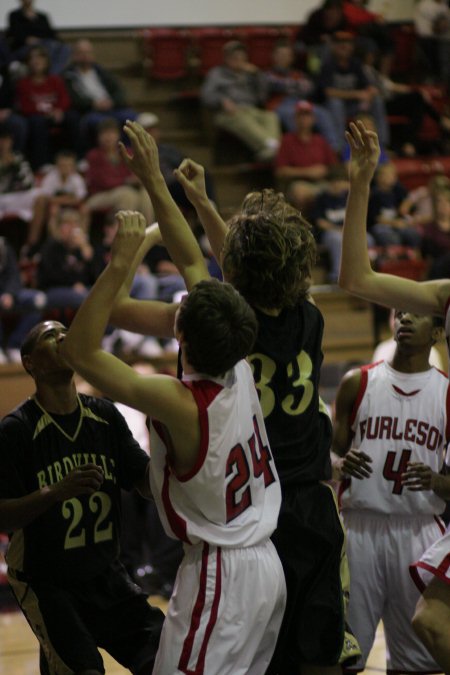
[
  {"x": 219, "y": 327},
  {"x": 269, "y": 251},
  {"x": 42, "y": 51},
  {"x": 233, "y": 46}
]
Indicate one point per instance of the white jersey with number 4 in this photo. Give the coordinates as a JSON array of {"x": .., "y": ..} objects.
[
  {"x": 232, "y": 496},
  {"x": 398, "y": 418}
]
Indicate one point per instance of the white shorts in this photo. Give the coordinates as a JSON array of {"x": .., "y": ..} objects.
[
  {"x": 380, "y": 549},
  {"x": 225, "y": 612},
  {"x": 435, "y": 562}
]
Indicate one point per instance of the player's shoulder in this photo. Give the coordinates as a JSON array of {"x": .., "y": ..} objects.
[
  {"x": 20, "y": 421},
  {"x": 99, "y": 407}
]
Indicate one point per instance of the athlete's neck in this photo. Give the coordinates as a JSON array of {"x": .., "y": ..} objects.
[
  {"x": 58, "y": 399},
  {"x": 410, "y": 362}
]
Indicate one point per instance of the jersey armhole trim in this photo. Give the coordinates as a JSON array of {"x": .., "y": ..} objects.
[{"x": 360, "y": 394}]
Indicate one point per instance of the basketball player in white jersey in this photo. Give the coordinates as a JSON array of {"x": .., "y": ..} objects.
[
  {"x": 432, "y": 618},
  {"x": 391, "y": 428},
  {"x": 212, "y": 472}
]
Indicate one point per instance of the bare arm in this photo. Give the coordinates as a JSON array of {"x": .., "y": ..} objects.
[
  {"x": 356, "y": 275},
  {"x": 20, "y": 512},
  {"x": 419, "y": 477},
  {"x": 177, "y": 235},
  {"x": 148, "y": 317},
  {"x": 192, "y": 178},
  {"x": 155, "y": 395},
  {"x": 345, "y": 459}
]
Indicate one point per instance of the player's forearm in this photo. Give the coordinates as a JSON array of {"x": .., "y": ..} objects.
[
  {"x": 87, "y": 329},
  {"x": 143, "y": 484},
  {"x": 152, "y": 238},
  {"x": 176, "y": 233},
  {"x": 441, "y": 486},
  {"x": 355, "y": 262},
  {"x": 18, "y": 513},
  {"x": 213, "y": 224}
]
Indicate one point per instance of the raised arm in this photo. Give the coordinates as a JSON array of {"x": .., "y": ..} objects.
[
  {"x": 345, "y": 459},
  {"x": 191, "y": 176},
  {"x": 356, "y": 275},
  {"x": 177, "y": 235},
  {"x": 149, "y": 317},
  {"x": 154, "y": 395}
]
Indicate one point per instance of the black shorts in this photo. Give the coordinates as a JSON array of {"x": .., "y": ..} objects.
[
  {"x": 309, "y": 540},
  {"x": 72, "y": 620}
]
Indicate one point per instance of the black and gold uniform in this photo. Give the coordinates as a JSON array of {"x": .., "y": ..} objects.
[
  {"x": 63, "y": 567},
  {"x": 286, "y": 362}
]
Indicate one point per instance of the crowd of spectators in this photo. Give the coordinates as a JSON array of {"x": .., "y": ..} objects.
[{"x": 61, "y": 170}]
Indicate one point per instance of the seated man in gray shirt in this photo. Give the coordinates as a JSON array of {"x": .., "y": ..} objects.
[{"x": 236, "y": 91}]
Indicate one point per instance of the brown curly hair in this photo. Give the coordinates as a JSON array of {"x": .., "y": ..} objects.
[{"x": 269, "y": 251}]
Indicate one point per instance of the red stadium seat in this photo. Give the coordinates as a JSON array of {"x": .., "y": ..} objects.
[{"x": 165, "y": 52}]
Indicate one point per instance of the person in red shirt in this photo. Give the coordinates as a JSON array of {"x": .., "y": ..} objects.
[
  {"x": 111, "y": 184},
  {"x": 43, "y": 99},
  {"x": 304, "y": 158}
]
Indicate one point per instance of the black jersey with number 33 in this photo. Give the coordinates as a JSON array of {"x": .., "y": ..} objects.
[
  {"x": 77, "y": 538},
  {"x": 286, "y": 362}
]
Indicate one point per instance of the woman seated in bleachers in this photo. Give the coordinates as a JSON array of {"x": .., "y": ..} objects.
[{"x": 43, "y": 99}]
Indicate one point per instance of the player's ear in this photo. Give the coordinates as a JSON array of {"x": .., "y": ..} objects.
[
  {"x": 437, "y": 334},
  {"x": 27, "y": 363}
]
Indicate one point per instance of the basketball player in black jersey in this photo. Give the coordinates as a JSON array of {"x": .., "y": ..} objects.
[
  {"x": 267, "y": 253},
  {"x": 64, "y": 458}
]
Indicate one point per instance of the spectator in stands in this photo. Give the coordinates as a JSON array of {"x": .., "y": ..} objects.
[
  {"x": 419, "y": 204},
  {"x": 8, "y": 116},
  {"x": 346, "y": 89},
  {"x": 43, "y": 99},
  {"x": 237, "y": 91},
  {"x": 62, "y": 184},
  {"x": 405, "y": 100},
  {"x": 436, "y": 237},
  {"x": 328, "y": 216},
  {"x": 27, "y": 28},
  {"x": 65, "y": 270},
  {"x": 95, "y": 92},
  {"x": 385, "y": 222},
  {"x": 432, "y": 23},
  {"x": 170, "y": 159},
  {"x": 111, "y": 184},
  {"x": 371, "y": 31},
  {"x": 316, "y": 35},
  {"x": 304, "y": 158},
  {"x": 288, "y": 85},
  {"x": 18, "y": 195},
  {"x": 14, "y": 298}
]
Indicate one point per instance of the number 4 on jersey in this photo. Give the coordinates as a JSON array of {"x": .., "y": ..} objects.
[
  {"x": 238, "y": 465},
  {"x": 395, "y": 475}
]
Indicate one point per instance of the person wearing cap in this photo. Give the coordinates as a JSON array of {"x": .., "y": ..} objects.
[
  {"x": 237, "y": 91},
  {"x": 346, "y": 88},
  {"x": 287, "y": 85},
  {"x": 304, "y": 158}
]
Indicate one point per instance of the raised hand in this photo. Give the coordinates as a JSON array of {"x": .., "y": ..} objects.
[
  {"x": 84, "y": 480},
  {"x": 191, "y": 177},
  {"x": 365, "y": 152},
  {"x": 129, "y": 237},
  {"x": 356, "y": 464},
  {"x": 418, "y": 477},
  {"x": 143, "y": 159}
]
